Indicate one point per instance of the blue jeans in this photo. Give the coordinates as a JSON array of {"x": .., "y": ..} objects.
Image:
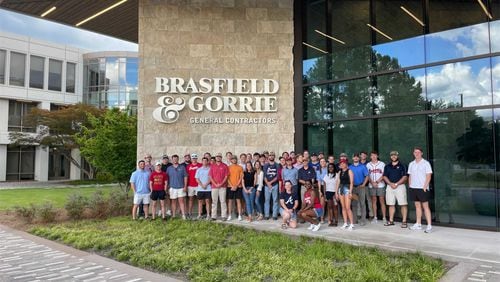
[
  {"x": 258, "y": 205},
  {"x": 249, "y": 199},
  {"x": 274, "y": 193}
]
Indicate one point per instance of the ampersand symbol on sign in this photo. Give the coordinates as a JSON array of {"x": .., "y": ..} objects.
[{"x": 168, "y": 112}]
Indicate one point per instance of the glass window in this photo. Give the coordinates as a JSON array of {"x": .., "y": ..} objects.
[
  {"x": 399, "y": 54},
  {"x": 20, "y": 163},
  {"x": 3, "y": 55},
  {"x": 463, "y": 84},
  {"x": 55, "y": 75},
  {"x": 396, "y": 19},
  {"x": 400, "y": 92},
  {"x": 316, "y": 103},
  {"x": 495, "y": 69},
  {"x": 17, "y": 69},
  {"x": 458, "y": 43},
  {"x": 464, "y": 168},
  {"x": 70, "y": 77},
  {"x": 37, "y": 66},
  {"x": 17, "y": 116},
  {"x": 401, "y": 134},
  {"x": 495, "y": 35},
  {"x": 317, "y": 137},
  {"x": 315, "y": 19},
  {"x": 112, "y": 71},
  {"x": 352, "y": 98},
  {"x": 131, "y": 73},
  {"x": 352, "y": 136},
  {"x": 449, "y": 14}
]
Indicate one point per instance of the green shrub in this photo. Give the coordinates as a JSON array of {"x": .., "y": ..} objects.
[
  {"x": 46, "y": 212},
  {"x": 118, "y": 202},
  {"x": 98, "y": 205},
  {"x": 26, "y": 213},
  {"x": 76, "y": 205},
  {"x": 104, "y": 177}
]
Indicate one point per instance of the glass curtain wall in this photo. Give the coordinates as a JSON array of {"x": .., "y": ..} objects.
[
  {"x": 391, "y": 75},
  {"x": 111, "y": 82}
]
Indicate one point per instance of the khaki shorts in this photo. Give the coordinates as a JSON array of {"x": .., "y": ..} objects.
[
  {"x": 379, "y": 192},
  {"x": 176, "y": 193},
  {"x": 399, "y": 194},
  {"x": 192, "y": 190}
]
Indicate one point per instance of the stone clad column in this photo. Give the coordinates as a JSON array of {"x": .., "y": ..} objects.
[{"x": 215, "y": 39}]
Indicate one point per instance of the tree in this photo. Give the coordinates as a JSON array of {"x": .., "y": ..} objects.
[
  {"x": 109, "y": 143},
  {"x": 57, "y": 129}
]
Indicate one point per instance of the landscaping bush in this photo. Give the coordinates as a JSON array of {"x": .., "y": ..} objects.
[
  {"x": 104, "y": 177},
  {"x": 98, "y": 205},
  {"x": 46, "y": 212},
  {"x": 76, "y": 205},
  {"x": 118, "y": 203},
  {"x": 26, "y": 213}
]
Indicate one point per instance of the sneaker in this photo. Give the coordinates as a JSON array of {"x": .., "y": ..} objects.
[
  {"x": 266, "y": 218},
  {"x": 375, "y": 221},
  {"x": 344, "y": 226},
  {"x": 239, "y": 218},
  {"x": 159, "y": 213},
  {"x": 428, "y": 229},
  {"x": 169, "y": 213},
  {"x": 199, "y": 217},
  {"x": 416, "y": 226},
  {"x": 275, "y": 218},
  {"x": 310, "y": 227},
  {"x": 208, "y": 217},
  {"x": 228, "y": 218},
  {"x": 213, "y": 219},
  {"x": 350, "y": 228},
  {"x": 316, "y": 227}
]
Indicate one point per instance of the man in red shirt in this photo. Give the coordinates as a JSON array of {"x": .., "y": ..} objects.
[
  {"x": 192, "y": 183},
  {"x": 218, "y": 177},
  {"x": 158, "y": 181}
]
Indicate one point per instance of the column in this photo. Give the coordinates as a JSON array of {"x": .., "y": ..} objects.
[{"x": 74, "y": 171}]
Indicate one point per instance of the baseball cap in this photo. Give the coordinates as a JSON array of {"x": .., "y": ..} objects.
[
  {"x": 272, "y": 154},
  {"x": 343, "y": 155},
  {"x": 394, "y": 153},
  {"x": 314, "y": 154},
  {"x": 164, "y": 157},
  {"x": 158, "y": 163},
  {"x": 194, "y": 156},
  {"x": 218, "y": 155},
  {"x": 343, "y": 161}
]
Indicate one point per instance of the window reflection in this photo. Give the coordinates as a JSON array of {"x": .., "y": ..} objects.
[
  {"x": 457, "y": 85},
  {"x": 400, "y": 92},
  {"x": 352, "y": 136},
  {"x": 444, "y": 15},
  {"x": 395, "y": 55},
  {"x": 463, "y": 168},
  {"x": 495, "y": 35},
  {"x": 495, "y": 63},
  {"x": 395, "y": 22},
  {"x": 317, "y": 137},
  {"x": 316, "y": 103},
  {"x": 457, "y": 43},
  {"x": 352, "y": 98}
]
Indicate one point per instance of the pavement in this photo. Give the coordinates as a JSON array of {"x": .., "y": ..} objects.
[
  {"x": 473, "y": 255},
  {"x": 24, "y": 257}
]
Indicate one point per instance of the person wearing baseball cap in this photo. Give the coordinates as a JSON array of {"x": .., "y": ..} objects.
[
  {"x": 218, "y": 176},
  {"x": 158, "y": 183},
  {"x": 395, "y": 175},
  {"x": 360, "y": 173},
  {"x": 192, "y": 182}
]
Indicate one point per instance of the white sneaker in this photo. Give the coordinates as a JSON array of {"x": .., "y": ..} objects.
[
  {"x": 316, "y": 227},
  {"x": 229, "y": 218},
  {"x": 310, "y": 227},
  {"x": 169, "y": 213},
  {"x": 344, "y": 226},
  {"x": 184, "y": 217},
  {"x": 375, "y": 220},
  {"x": 428, "y": 229},
  {"x": 239, "y": 218},
  {"x": 416, "y": 226},
  {"x": 350, "y": 228},
  {"x": 159, "y": 213}
]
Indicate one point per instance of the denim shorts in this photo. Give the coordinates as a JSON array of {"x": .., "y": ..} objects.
[
  {"x": 294, "y": 214},
  {"x": 344, "y": 190},
  {"x": 319, "y": 212}
]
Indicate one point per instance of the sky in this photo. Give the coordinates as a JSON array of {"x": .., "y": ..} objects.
[{"x": 45, "y": 30}]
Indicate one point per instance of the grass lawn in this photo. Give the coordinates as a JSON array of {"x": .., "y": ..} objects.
[
  {"x": 58, "y": 196},
  {"x": 207, "y": 251}
]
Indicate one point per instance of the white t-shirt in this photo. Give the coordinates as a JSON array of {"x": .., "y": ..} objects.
[
  {"x": 375, "y": 172},
  {"x": 418, "y": 172},
  {"x": 330, "y": 182}
]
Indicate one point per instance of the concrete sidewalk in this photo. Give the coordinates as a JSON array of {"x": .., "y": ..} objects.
[
  {"x": 476, "y": 253},
  {"x": 47, "y": 184},
  {"x": 24, "y": 257}
]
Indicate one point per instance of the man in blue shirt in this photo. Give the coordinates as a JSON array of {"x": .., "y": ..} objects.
[
  {"x": 290, "y": 173},
  {"x": 177, "y": 180},
  {"x": 139, "y": 182},
  {"x": 360, "y": 179}
]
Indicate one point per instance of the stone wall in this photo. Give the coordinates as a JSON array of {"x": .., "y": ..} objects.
[{"x": 215, "y": 39}]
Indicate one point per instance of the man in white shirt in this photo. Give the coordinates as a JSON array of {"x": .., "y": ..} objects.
[
  {"x": 376, "y": 185},
  {"x": 419, "y": 177}
]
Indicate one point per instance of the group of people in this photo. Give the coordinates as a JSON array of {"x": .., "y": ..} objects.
[{"x": 299, "y": 187}]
